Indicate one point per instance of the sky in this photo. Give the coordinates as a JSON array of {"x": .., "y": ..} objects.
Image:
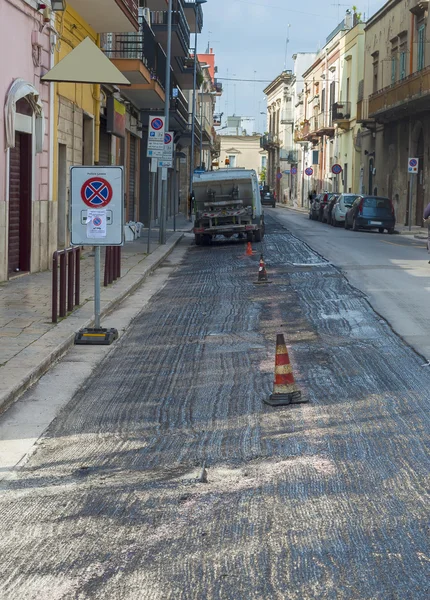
[{"x": 249, "y": 41}]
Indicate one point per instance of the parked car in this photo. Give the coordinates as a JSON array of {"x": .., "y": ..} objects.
[
  {"x": 314, "y": 207},
  {"x": 327, "y": 212},
  {"x": 371, "y": 212},
  {"x": 343, "y": 204},
  {"x": 324, "y": 199},
  {"x": 268, "y": 199}
]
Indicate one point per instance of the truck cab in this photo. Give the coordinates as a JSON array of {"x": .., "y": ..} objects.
[{"x": 227, "y": 202}]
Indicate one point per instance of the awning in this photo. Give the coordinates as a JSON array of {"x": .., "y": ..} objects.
[{"x": 86, "y": 64}]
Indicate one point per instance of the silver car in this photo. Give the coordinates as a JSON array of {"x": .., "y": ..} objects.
[{"x": 343, "y": 204}]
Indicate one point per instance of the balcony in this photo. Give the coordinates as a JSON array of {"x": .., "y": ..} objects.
[
  {"x": 363, "y": 114},
  {"x": 208, "y": 132},
  {"x": 341, "y": 114},
  {"x": 180, "y": 29},
  {"x": 108, "y": 15},
  {"x": 269, "y": 141},
  {"x": 403, "y": 98},
  {"x": 287, "y": 116},
  {"x": 185, "y": 72},
  {"x": 301, "y": 132},
  {"x": 289, "y": 156},
  {"x": 142, "y": 61},
  {"x": 324, "y": 125},
  {"x": 194, "y": 14}
]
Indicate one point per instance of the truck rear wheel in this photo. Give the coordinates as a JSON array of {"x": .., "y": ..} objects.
[
  {"x": 258, "y": 235},
  {"x": 206, "y": 239},
  {"x": 198, "y": 239}
]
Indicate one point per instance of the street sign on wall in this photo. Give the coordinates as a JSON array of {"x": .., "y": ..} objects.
[
  {"x": 155, "y": 137},
  {"x": 293, "y": 170},
  {"x": 97, "y": 206},
  {"x": 309, "y": 171},
  {"x": 413, "y": 164},
  {"x": 336, "y": 169}
]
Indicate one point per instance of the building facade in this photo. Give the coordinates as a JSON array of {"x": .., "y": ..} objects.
[
  {"x": 244, "y": 152},
  {"x": 393, "y": 107},
  {"x": 27, "y": 214}
]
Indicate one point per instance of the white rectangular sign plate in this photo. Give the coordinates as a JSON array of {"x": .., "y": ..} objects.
[{"x": 97, "y": 206}]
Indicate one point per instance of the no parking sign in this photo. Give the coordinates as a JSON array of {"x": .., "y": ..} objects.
[
  {"x": 97, "y": 206},
  {"x": 413, "y": 165}
]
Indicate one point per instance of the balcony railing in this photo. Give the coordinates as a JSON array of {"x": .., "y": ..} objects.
[
  {"x": 269, "y": 140},
  {"x": 290, "y": 156},
  {"x": 410, "y": 89},
  {"x": 180, "y": 104},
  {"x": 118, "y": 15},
  {"x": 341, "y": 111},
  {"x": 196, "y": 10},
  {"x": 142, "y": 46},
  {"x": 324, "y": 124},
  {"x": 179, "y": 23}
]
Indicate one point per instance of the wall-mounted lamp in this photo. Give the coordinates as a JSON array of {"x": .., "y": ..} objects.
[{"x": 58, "y": 5}]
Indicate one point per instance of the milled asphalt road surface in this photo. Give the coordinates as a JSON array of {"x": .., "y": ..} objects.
[
  {"x": 326, "y": 500},
  {"x": 392, "y": 270}
]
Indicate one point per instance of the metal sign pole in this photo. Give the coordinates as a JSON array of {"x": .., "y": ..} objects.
[
  {"x": 151, "y": 201},
  {"x": 97, "y": 272},
  {"x": 411, "y": 185}
]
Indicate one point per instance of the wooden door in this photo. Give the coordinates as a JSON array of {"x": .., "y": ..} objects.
[{"x": 19, "y": 239}]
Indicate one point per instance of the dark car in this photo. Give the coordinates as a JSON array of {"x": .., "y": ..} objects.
[
  {"x": 314, "y": 207},
  {"x": 268, "y": 199},
  {"x": 371, "y": 212},
  {"x": 328, "y": 209},
  {"x": 323, "y": 201}
]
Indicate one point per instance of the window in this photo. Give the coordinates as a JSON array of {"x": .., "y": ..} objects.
[
  {"x": 402, "y": 64},
  {"x": 232, "y": 159},
  {"x": 421, "y": 47},
  {"x": 393, "y": 68},
  {"x": 263, "y": 162},
  {"x": 347, "y": 89},
  {"x": 323, "y": 100},
  {"x": 375, "y": 71}
]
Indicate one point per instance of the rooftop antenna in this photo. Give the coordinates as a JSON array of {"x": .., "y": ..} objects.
[
  {"x": 338, "y": 4},
  {"x": 286, "y": 46}
]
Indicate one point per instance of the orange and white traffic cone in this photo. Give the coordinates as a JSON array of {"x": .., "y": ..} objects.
[
  {"x": 249, "y": 251},
  {"x": 262, "y": 273},
  {"x": 285, "y": 390}
]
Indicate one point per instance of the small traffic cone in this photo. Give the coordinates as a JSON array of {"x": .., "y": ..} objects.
[
  {"x": 285, "y": 390},
  {"x": 249, "y": 251},
  {"x": 262, "y": 273}
]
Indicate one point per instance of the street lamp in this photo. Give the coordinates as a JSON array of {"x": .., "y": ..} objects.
[
  {"x": 197, "y": 3},
  {"x": 163, "y": 184}
]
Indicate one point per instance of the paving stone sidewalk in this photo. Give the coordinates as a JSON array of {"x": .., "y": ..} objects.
[{"x": 25, "y": 306}]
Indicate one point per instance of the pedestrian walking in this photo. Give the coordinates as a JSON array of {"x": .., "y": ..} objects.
[{"x": 427, "y": 223}]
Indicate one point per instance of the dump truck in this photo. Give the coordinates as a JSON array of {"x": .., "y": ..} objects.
[{"x": 227, "y": 203}]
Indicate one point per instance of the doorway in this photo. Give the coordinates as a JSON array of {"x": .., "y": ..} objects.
[
  {"x": 62, "y": 196},
  {"x": 370, "y": 188},
  {"x": 419, "y": 212},
  {"x": 20, "y": 181}
]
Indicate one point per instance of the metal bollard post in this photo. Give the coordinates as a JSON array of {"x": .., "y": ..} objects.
[
  {"x": 70, "y": 278},
  {"x": 77, "y": 275},
  {"x": 63, "y": 284},
  {"x": 55, "y": 287}
]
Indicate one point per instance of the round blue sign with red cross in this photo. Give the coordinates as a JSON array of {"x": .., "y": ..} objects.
[
  {"x": 167, "y": 138},
  {"x": 157, "y": 124},
  {"x": 336, "y": 169},
  {"x": 97, "y": 222},
  {"x": 96, "y": 192},
  {"x": 293, "y": 170},
  {"x": 309, "y": 171}
]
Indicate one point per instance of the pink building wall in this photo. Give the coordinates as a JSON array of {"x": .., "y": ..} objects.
[{"x": 20, "y": 23}]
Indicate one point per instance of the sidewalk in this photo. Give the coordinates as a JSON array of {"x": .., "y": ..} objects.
[
  {"x": 418, "y": 232},
  {"x": 30, "y": 342}
]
